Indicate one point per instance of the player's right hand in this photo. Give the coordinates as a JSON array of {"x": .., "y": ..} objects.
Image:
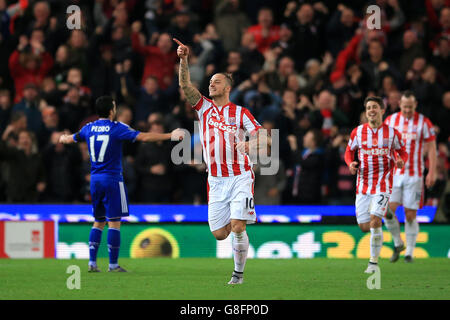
[
  {"x": 182, "y": 50},
  {"x": 353, "y": 167}
]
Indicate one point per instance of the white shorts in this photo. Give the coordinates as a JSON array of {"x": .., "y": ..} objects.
[
  {"x": 407, "y": 191},
  {"x": 371, "y": 204},
  {"x": 230, "y": 198}
]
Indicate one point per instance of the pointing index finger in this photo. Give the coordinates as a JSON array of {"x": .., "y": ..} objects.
[{"x": 178, "y": 42}]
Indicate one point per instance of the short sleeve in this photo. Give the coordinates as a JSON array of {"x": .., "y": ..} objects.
[
  {"x": 249, "y": 122},
  {"x": 353, "y": 141},
  {"x": 81, "y": 135},
  {"x": 125, "y": 132},
  {"x": 429, "y": 133},
  {"x": 202, "y": 105}
]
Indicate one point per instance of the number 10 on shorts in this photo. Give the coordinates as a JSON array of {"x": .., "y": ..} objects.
[{"x": 249, "y": 203}]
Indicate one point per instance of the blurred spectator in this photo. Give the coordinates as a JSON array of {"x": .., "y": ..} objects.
[
  {"x": 269, "y": 188},
  {"x": 182, "y": 28},
  {"x": 30, "y": 63},
  {"x": 265, "y": 32},
  {"x": 277, "y": 79},
  {"x": 341, "y": 183},
  {"x": 412, "y": 48},
  {"x": 376, "y": 67},
  {"x": 305, "y": 31},
  {"x": 306, "y": 177},
  {"x": 285, "y": 45},
  {"x": 74, "y": 110},
  {"x": 444, "y": 118},
  {"x": 77, "y": 47},
  {"x": 30, "y": 106},
  {"x": 152, "y": 99},
  {"x": 340, "y": 28},
  {"x": 129, "y": 149},
  {"x": 441, "y": 59},
  {"x": 230, "y": 22},
  {"x": 18, "y": 123},
  {"x": 62, "y": 163},
  {"x": 326, "y": 113},
  {"x": 159, "y": 60},
  {"x": 5, "y": 109},
  {"x": 252, "y": 59},
  {"x": 26, "y": 174},
  {"x": 153, "y": 165}
]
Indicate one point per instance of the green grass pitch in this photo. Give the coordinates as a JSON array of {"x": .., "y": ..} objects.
[{"x": 206, "y": 278}]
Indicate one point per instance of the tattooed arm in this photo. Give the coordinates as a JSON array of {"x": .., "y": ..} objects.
[{"x": 191, "y": 92}]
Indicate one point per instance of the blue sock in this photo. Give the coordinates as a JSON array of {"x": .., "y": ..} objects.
[
  {"x": 113, "y": 247},
  {"x": 95, "y": 237}
]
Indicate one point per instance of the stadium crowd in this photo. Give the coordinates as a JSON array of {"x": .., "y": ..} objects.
[{"x": 303, "y": 67}]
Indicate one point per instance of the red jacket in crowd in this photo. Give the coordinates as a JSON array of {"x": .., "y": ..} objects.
[
  {"x": 22, "y": 75},
  {"x": 158, "y": 64}
]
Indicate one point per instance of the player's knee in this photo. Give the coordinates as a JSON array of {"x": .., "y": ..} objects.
[
  {"x": 238, "y": 226},
  {"x": 220, "y": 235},
  {"x": 410, "y": 215},
  {"x": 365, "y": 227},
  {"x": 99, "y": 224}
]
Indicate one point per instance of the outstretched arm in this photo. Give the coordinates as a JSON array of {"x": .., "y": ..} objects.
[
  {"x": 175, "y": 135},
  {"x": 191, "y": 92},
  {"x": 66, "y": 139}
]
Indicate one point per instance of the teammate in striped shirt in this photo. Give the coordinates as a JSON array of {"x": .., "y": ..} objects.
[
  {"x": 109, "y": 197},
  {"x": 418, "y": 135},
  {"x": 377, "y": 146},
  {"x": 225, "y": 151}
]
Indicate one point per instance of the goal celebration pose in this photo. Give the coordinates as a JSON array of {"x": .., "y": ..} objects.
[
  {"x": 377, "y": 146},
  {"x": 109, "y": 197},
  {"x": 419, "y": 137},
  {"x": 230, "y": 176}
]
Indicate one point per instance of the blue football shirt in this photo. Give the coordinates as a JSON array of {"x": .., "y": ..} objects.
[{"x": 104, "y": 138}]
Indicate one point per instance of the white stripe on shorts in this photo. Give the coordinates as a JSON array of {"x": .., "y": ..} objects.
[{"x": 123, "y": 198}]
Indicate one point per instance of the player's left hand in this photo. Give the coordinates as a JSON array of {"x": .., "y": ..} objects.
[
  {"x": 399, "y": 163},
  {"x": 430, "y": 180}
]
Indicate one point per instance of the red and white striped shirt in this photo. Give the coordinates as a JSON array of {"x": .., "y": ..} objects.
[
  {"x": 221, "y": 129},
  {"x": 414, "y": 132},
  {"x": 376, "y": 154}
]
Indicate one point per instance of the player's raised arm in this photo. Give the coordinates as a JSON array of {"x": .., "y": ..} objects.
[
  {"x": 191, "y": 92},
  {"x": 175, "y": 135}
]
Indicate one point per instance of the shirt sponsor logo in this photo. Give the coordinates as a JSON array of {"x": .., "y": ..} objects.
[
  {"x": 375, "y": 152},
  {"x": 409, "y": 136},
  {"x": 221, "y": 126}
]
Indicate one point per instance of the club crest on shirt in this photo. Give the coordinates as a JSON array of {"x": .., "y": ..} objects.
[
  {"x": 385, "y": 143},
  {"x": 232, "y": 121}
]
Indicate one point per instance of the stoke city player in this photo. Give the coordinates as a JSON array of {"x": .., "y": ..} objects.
[
  {"x": 230, "y": 176},
  {"x": 419, "y": 137},
  {"x": 377, "y": 145}
]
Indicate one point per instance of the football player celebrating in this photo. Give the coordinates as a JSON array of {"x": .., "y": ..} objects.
[
  {"x": 230, "y": 176},
  {"x": 377, "y": 146},
  {"x": 418, "y": 135}
]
